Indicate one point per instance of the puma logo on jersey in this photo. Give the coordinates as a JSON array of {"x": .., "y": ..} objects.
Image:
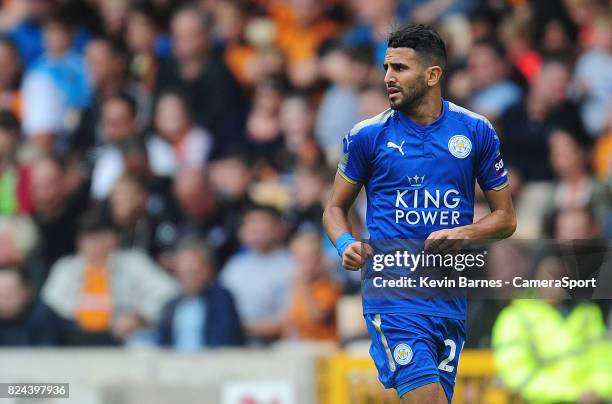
[{"x": 394, "y": 146}]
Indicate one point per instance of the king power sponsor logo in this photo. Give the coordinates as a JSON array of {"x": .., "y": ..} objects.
[{"x": 425, "y": 206}]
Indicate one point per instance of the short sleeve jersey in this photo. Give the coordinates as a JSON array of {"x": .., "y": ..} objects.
[{"x": 421, "y": 178}]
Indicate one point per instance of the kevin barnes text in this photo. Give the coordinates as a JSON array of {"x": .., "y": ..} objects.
[{"x": 463, "y": 282}]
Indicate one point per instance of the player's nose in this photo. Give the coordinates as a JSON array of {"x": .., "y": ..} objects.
[{"x": 390, "y": 77}]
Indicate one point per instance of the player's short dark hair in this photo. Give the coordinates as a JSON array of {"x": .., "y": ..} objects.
[{"x": 424, "y": 40}]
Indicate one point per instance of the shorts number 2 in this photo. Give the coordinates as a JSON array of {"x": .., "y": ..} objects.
[{"x": 444, "y": 365}]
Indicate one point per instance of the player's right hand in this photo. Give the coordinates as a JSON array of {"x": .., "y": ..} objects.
[{"x": 356, "y": 255}]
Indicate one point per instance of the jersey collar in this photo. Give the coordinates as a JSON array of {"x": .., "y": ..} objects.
[{"x": 412, "y": 125}]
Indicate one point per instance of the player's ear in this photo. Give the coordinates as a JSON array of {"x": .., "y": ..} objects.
[{"x": 433, "y": 75}]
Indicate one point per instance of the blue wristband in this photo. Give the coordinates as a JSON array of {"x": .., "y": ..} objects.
[{"x": 344, "y": 241}]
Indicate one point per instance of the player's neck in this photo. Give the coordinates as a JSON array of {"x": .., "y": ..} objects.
[{"x": 426, "y": 112}]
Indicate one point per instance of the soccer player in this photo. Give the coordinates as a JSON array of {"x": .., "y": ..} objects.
[{"x": 418, "y": 162}]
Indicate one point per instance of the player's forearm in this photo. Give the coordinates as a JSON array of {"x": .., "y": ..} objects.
[
  {"x": 335, "y": 222},
  {"x": 496, "y": 225}
]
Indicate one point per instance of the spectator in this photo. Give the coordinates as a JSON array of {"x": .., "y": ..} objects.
[
  {"x": 557, "y": 38},
  {"x": 602, "y": 154},
  {"x": 515, "y": 35},
  {"x": 582, "y": 14},
  {"x": 521, "y": 349},
  {"x": 120, "y": 132},
  {"x": 142, "y": 32},
  {"x": 242, "y": 58},
  {"x": 204, "y": 315},
  {"x": 15, "y": 195},
  {"x": 576, "y": 223},
  {"x": 302, "y": 28},
  {"x": 24, "y": 321},
  {"x": 210, "y": 88},
  {"x": 578, "y": 252},
  {"x": 106, "y": 66},
  {"x": 56, "y": 209},
  {"x": 297, "y": 125},
  {"x": 26, "y": 27},
  {"x": 593, "y": 77},
  {"x": 137, "y": 228},
  {"x": 373, "y": 100},
  {"x": 310, "y": 188},
  {"x": 18, "y": 236},
  {"x": 230, "y": 179},
  {"x": 527, "y": 126},
  {"x": 263, "y": 128},
  {"x": 430, "y": 12},
  {"x": 200, "y": 214},
  {"x": 179, "y": 142},
  {"x": 55, "y": 89},
  {"x": 113, "y": 16},
  {"x": 267, "y": 263},
  {"x": 488, "y": 72},
  {"x": 10, "y": 77},
  {"x": 373, "y": 25},
  {"x": 575, "y": 187},
  {"x": 312, "y": 314},
  {"x": 104, "y": 295},
  {"x": 347, "y": 70}
]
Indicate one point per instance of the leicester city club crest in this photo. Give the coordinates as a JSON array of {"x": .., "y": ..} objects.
[
  {"x": 460, "y": 146},
  {"x": 402, "y": 354}
]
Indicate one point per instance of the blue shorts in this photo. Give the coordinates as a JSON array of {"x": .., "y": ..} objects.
[{"x": 412, "y": 350}]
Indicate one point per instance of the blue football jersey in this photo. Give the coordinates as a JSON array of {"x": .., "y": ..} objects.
[{"x": 419, "y": 179}]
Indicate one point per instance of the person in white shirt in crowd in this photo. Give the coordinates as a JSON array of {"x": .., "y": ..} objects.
[
  {"x": 178, "y": 142},
  {"x": 118, "y": 128},
  {"x": 55, "y": 89}
]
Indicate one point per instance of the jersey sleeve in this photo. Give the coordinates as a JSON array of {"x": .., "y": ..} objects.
[
  {"x": 354, "y": 166},
  {"x": 490, "y": 170}
]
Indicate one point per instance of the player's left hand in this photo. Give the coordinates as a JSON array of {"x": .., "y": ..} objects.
[{"x": 447, "y": 240}]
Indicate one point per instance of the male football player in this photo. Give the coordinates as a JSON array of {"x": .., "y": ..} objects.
[{"x": 418, "y": 162}]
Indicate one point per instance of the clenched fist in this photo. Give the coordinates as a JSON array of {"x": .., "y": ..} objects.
[{"x": 356, "y": 255}]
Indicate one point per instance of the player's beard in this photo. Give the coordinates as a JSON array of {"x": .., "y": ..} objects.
[{"x": 411, "y": 97}]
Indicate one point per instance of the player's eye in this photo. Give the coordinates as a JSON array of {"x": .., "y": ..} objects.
[{"x": 385, "y": 66}]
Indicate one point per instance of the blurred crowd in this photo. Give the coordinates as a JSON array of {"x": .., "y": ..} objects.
[{"x": 164, "y": 164}]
